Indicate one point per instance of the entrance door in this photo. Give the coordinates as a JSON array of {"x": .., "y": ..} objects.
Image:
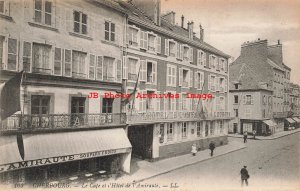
[
  {"x": 141, "y": 138},
  {"x": 77, "y": 110},
  {"x": 235, "y": 128}
]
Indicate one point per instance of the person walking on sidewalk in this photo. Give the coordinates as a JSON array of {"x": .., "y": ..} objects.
[
  {"x": 194, "y": 149},
  {"x": 244, "y": 176},
  {"x": 245, "y": 136},
  {"x": 254, "y": 133},
  {"x": 212, "y": 148}
]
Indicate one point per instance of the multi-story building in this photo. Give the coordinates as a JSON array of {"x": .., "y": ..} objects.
[
  {"x": 170, "y": 60},
  {"x": 260, "y": 68},
  {"x": 68, "y": 50}
]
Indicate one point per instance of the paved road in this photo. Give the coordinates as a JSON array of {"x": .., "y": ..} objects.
[{"x": 273, "y": 164}]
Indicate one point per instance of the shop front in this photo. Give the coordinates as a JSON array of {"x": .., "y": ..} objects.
[
  {"x": 289, "y": 124},
  {"x": 54, "y": 156},
  {"x": 297, "y": 124}
]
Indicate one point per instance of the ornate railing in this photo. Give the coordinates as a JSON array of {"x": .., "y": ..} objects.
[
  {"x": 174, "y": 115},
  {"x": 62, "y": 121}
]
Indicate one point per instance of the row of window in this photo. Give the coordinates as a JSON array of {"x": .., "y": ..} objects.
[
  {"x": 40, "y": 104},
  {"x": 190, "y": 129},
  {"x": 151, "y": 42},
  {"x": 47, "y": 59},
  {"x": 172, "y": 104}
]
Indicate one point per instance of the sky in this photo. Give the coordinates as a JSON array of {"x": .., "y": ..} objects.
[{"x": 229, "y": 23}]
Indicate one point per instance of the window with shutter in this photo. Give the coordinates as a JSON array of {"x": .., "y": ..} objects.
[
  {"x": 154, "y": 73},
  {"x": 133, "y": 34},
  {"x": 157, "y": 103},
  {"x": 79, "y": 64},
  {"x": 178, "y": 50},
  {"x": 167, "y": 53},
  {"x": 58, "y": 61},
  {"x": 41, "y": 58},
  {"x": 151, "y": 42},
  {"x": 125, "y": 67},
  {"x": 201, "y": 80},
  {"x": 196, "y": 82}
]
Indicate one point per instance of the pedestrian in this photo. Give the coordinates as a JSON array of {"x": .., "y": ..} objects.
[
  {"x": 244, "y": 176},
  {"x": 212, "y": 148},
  {"x": 194, "y": 149},
  {"x": 245, "y": 136},
  {"x": 254, "y": 133}
]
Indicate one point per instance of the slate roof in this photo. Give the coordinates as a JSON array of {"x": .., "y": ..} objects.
[{"x": 138, "y": 14}]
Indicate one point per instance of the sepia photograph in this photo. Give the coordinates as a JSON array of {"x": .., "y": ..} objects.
[{"x": 150, "y": 95}]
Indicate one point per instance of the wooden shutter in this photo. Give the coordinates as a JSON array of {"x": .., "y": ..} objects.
[
  {"x": 181, "y": 51},
  {"x": 69, "y": 20},
  {"x": 169, "y": 73},
  {"x": 118, "y": 70},
  {"x": 68, "y": 63},
  {"x": 204, "y": 59},
  {"x": 217, "y": 83},
  {"x": 196, "y": 82},
  {"x": 125, "y": 67},
  {"x": 154, "y": 72},
  {"x": 209, "y": 82},
  {"x": 180, "y": 76},
  {"x": 158, "y": 44},
  {"x": 210, "y": 61},
  {"x": 143, "y": 71},
  {"x": 99, "y": 68},
  {"x": 28, "y": 10},
  {"x": 225, "y": 85},
  {"x": 92, "y": 64},
  {"x": 201, "y": 80},
  {"x": 191, "y": 54},
  {"x": 157, "y": 102},
  {"x": 191, "y": 78},
  {"x": 56, "y": 18},
  {"x": 198, "y": 57},
  {"x": 142, "y": 39},
  {"x": 26, "y": 56},
  {"x": 178, "y": 50},
  {"x": 167, "y": 53}
]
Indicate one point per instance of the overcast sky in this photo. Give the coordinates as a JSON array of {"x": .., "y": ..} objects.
[{"x": 229, "y": 23}]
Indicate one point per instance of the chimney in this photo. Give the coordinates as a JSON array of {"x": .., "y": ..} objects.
[
  {"x": 201, "y": 33},
  {"x": 278, "y": 42},
  {"x": 182, "y": 21},
  {"x": 170, "y": 17},
  {"x": 151, "y": 8},
  {"x": 190, "y": 28}
]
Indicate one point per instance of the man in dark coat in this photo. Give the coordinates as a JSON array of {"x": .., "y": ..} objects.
[
  {"x": 212, "y": 148},
  {"x": 244, "y": 175},
  {"x": 245, "y": 136}
]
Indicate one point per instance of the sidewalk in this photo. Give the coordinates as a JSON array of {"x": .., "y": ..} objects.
[
  {"x": 271, "y": 137},
  {"x": 146, "y": 170}
]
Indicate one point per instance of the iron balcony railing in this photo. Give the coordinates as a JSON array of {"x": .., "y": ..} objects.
[
  {"x": 61, "y": 121},
  {"x": 133, "y": 118}
]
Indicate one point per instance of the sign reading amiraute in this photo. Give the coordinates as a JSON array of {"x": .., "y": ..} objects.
[{"x": 59, "y": 159}]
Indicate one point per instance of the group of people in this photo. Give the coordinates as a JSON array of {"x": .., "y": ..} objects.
[
  {"x": 244, "y": 172},
  {"x": 211, "y": 148},
  {"x": 246, "y": 135}
]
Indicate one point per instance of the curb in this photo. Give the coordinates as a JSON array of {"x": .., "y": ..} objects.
[
  {"x": 260, "y": 139},
  {"x": 179, "y": 167}
]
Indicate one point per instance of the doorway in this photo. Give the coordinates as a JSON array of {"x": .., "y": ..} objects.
[{"x": 141, "y": 139}]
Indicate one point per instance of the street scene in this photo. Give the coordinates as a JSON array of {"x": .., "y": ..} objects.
[
  {"x": 149, "y": 94},
  {"x": 272, "y": 164}
]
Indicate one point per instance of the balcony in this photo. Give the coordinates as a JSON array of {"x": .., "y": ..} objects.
[
  {"x": 61, "y": 121},
  {"x": 165, "y": 116}
]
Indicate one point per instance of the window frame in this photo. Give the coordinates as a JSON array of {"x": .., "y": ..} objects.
[
  {"x": 44, "y": 13},
  {"x": 80, "y": 23}
]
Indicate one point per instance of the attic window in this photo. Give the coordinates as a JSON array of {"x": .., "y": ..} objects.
[{"x": 236, "y": 86}]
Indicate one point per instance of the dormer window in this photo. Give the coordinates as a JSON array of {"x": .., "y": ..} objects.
[
  {"x": 236, "y": 86},
  {"x": 133, "y": 36}
]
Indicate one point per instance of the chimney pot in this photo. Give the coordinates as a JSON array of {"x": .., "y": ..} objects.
[
  {"x": 258, "y": 38},
  {"x": 182, "y": 21},
  {"x": 278, "y": 42}
]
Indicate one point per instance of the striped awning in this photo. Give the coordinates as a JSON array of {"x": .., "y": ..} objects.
[
  {"x": 51, "y": 148},
  {"x": 290, "y": 120},
  {"x": 296, "y": 119},
  {"x": 270, "y": 123}
]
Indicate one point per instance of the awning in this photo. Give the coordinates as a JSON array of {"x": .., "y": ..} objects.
[
  {"x": 9, "y": 150},
  {"x": 51, "y": 148},
  {"x": 270, "y": 123},
  {"x": 290, "y": 120},
  {"x": 296, "y": 119}
]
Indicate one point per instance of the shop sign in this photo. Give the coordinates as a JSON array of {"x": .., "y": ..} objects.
[{"x": 59, "y": 159}]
